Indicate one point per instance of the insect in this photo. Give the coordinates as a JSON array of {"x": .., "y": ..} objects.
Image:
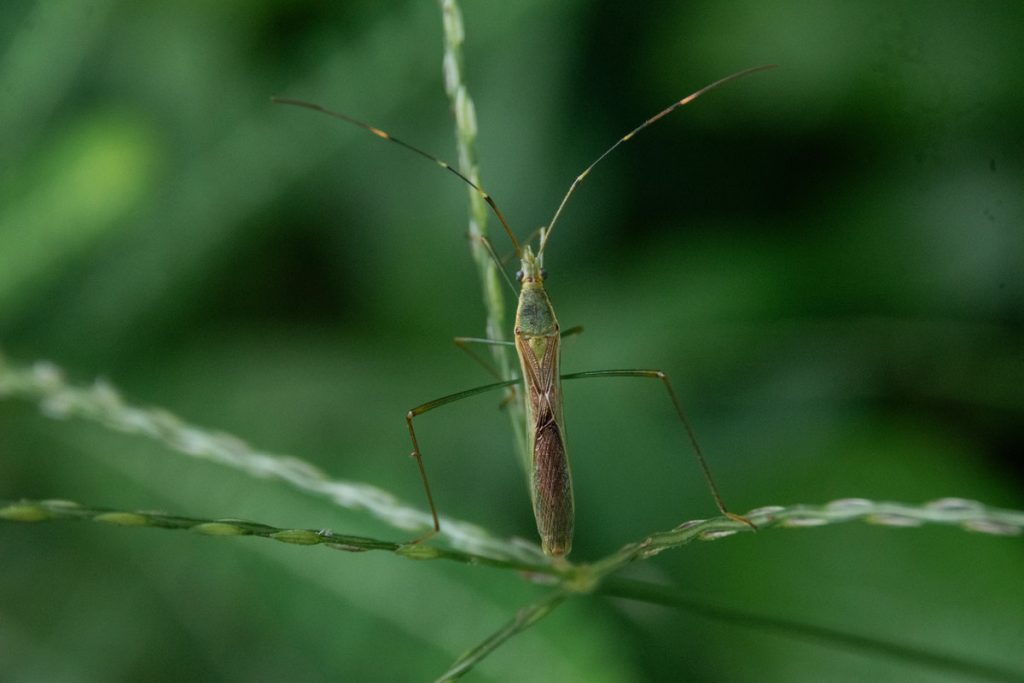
[{"x": 537, "y": 339}]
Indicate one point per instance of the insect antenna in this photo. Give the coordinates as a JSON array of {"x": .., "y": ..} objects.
[
  {"x": 390, "y": 138},
  {"x": 499, "y": 262},
  {"x": 664, "y": 112}
]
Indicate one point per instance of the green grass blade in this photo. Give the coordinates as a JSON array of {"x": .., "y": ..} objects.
[
  {"x": 464, "y": 113},
  {"x": 28, "y": 511},
  {"x": 524, "y": 619},
  {"x": 942, "y": 662},
  {"x": 45, "y": 383},
  {"x": 968, "y": 515}
]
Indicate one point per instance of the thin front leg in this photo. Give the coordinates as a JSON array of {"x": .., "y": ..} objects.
[
  {"x": 418, "y": 455},
  {"x": 658, "y": 374},
  {"x": 464, "y": 343}
]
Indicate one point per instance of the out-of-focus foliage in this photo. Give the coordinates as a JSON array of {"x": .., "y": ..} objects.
[{"x": 827, "y": 259}]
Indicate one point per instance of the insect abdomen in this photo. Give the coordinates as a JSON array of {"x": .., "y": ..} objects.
[{"x": 552, "y": 486}]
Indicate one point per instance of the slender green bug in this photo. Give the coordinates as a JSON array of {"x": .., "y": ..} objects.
[{"x": 537, "y": 341}]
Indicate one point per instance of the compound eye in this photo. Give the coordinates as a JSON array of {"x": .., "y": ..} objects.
[
  {"x": 519, "y": 276},
  {"x": 543, "y": 274}
]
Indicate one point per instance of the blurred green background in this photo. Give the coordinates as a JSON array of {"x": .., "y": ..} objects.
[{"x": 826, "y": 258}]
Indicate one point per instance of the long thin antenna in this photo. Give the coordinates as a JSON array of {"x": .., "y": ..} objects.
[
  {"x": 390, "y": 138},
  {"x": 664, "y": 112}
]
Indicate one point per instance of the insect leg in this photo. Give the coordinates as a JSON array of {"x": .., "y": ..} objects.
[
  {"x": 464, "y": 344},
  {"x": 578, "y": 329},
  {"x": 418, "y": 455},
  {"x": 659, "y": 375},
  {"x": 480, "y": 340}
]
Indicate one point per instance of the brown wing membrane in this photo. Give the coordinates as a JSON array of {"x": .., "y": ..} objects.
[
  {"x": 552, "y": 483},
  {"x": 553, "y": 500}
]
